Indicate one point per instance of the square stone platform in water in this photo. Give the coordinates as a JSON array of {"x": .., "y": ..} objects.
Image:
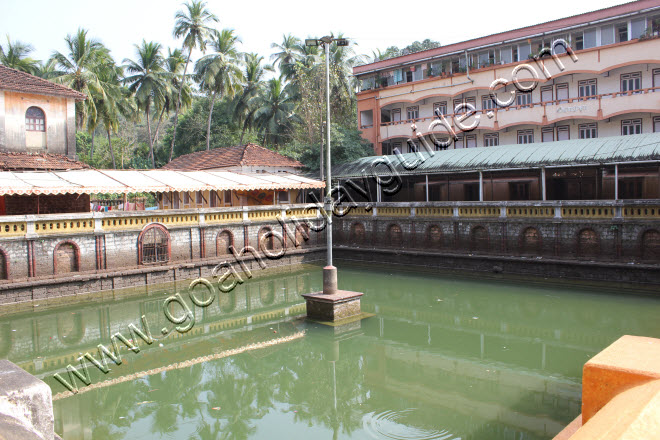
[{"x": 340, "y": 305}]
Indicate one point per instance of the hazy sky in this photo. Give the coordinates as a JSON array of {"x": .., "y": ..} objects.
[{"x": 120, "y": 24}]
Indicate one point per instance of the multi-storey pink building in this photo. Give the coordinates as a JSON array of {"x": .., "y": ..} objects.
[{"x": 601, "y": 79}]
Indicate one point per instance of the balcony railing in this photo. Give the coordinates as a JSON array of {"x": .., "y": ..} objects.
[
  {"x": 608, "y": 104},
  {"x": 33, "y": 226},
  {"x": 552, "y": 210},
  {"x": 592, "y": 54}
]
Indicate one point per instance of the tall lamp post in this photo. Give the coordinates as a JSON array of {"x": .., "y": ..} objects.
[
  {"x": 331, "y": 304},
  {"x": 326, "y": 42}
]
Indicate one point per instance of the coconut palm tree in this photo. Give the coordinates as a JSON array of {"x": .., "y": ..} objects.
[
  {"x": 342, "y": 60},
  {"x": 100, "y": 97},
  {"x": 16, "y": 56},
  {"x": 117, "y": 103},
  {"x": 173, "y": 66},
  {"x": 245, "y": 104},
  {"x": 147, "y": 82},
  {"x": 275, "y": 112},
  {"x": 193, "y": 24},
  {"x": 289, "y": 53},
  {"x": 47, "y": 69},
  {"x": 79, "y": 70},
  {"x": 219, "y": 73}
]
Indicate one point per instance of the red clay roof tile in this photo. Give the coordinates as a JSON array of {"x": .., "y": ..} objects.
[
  {"x": 239, "y": 155},
  {"x": 17, "y": 81},
  {"x": 10, "y": 161}
]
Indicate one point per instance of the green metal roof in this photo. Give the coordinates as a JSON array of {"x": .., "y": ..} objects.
[{"x": 616, "y": 149}]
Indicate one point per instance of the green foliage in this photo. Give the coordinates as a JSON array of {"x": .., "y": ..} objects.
[
  {"x": 394, "y": 51},
  {"x": 132, "y": 112},
  {"x": 191, "y": 130},
  {"x": 80, "y": 68},
  {"x": 83, "y": 144},
  {"x": 347, "y": 145},
  {"x": 16, "y": 56}
]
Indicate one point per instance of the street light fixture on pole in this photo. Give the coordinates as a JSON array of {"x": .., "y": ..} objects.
[
  {"x": 331, "y": 304},
  {"x": 325, "y": 42}
]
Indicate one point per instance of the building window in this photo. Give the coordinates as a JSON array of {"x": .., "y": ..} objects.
[
  {"x": 154, "y": 245},
  {"x": 396, "y": 114},
  {"x": 412, "y": 112},
  {"x": 562, "y": 92},
  {"x": 588, "y": 131},
  {"x": 525, "y": 136},
  {"x": 66, "y": 258},
  {"x": 547, "y": 134},
  {"x": 622, "y": 32},
  {"x": 35, "y": 119},
  {"x": 546, "y": 94},
  {"x": 440, "y": 107},
  {"x": 462, "y": 105},
  {"x": 441, "y": 144},
  {"x": 631, "y": 126},
  {"x": 283, "y": 196},
  {"x": 631, "y": 81},
  {"x": 655, "y": 25},
  {"x": 491, "y": 139},
  {"x": 587, "y": 89},
  {"x": 466, "y": 141},
  {"x": 387, "y": 149},
  {"x": 523, "y": 98},
  {"x": 656, "y": 79},
  {"x": 487, "y": 103},
  {"x": 656, "y": 124},
  {"x": 227, "y": 198},
  {"x": 578, "y": 41},
  {"x": 413, "y": 147},
  {"x": 199, "y": 198},
  {"x": 563, "y": 133}
]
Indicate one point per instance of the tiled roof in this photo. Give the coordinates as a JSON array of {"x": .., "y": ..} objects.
[
  {"x": 27, "y": 161},
  {"x": 17, "y": 81},
  {"x": 240, "y": 155},
  {"x": 547, "y": 27}
]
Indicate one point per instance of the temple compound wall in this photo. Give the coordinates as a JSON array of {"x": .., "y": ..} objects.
[{"x": 588, "y": 240}]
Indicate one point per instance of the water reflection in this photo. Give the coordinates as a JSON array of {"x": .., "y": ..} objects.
[{"x": 442, "y": 358}]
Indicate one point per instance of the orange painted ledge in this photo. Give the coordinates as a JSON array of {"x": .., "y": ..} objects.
[
  {"x": 629, "y": 361},
  {"x": 620, "y": 393}
]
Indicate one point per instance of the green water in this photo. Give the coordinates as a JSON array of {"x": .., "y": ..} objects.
[{"x": 443, "y": 357}]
